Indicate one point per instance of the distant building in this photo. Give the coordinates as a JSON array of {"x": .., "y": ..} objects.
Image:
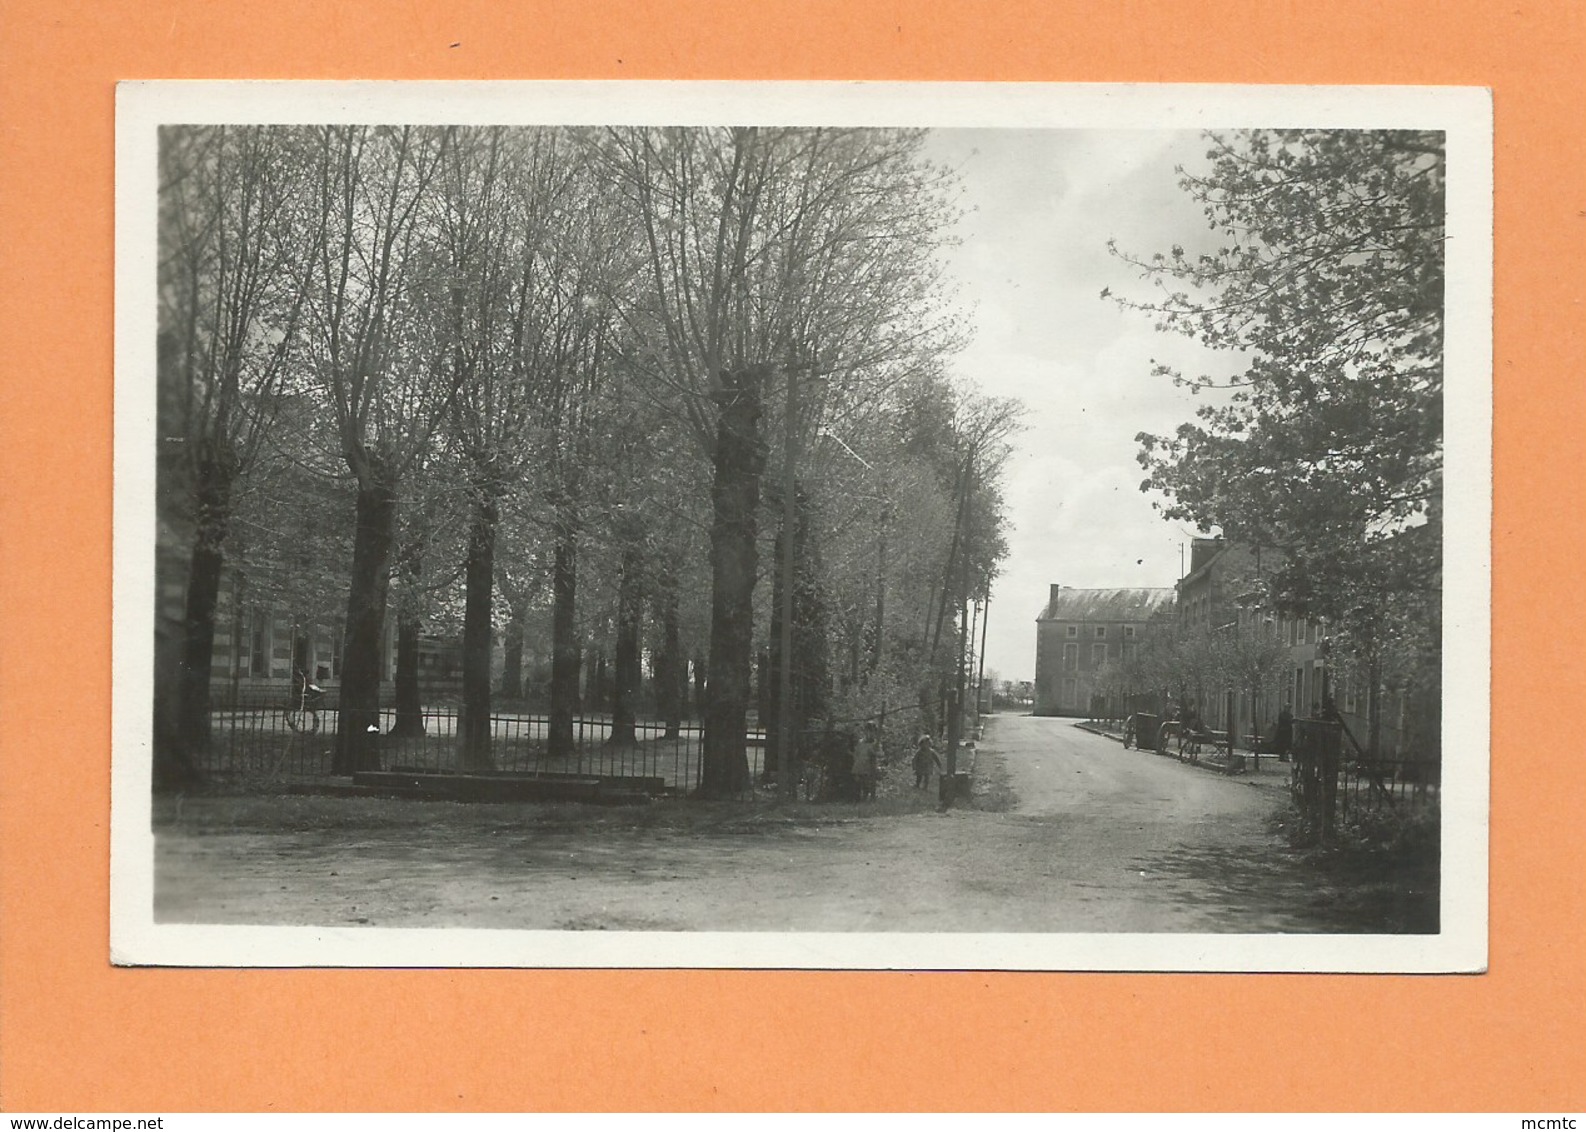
[
  {"x": 258, "y": 645},
  {"x": 1079, "y": 632}
]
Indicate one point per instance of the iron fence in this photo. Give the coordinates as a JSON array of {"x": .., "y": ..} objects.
[
  {"x": 270, "y": 742},
  {"x": 1330, "y": 786},
  {"x": 1384, "y": 784}
]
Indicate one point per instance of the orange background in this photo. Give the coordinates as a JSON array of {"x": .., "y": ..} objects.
[{"x": 76, "y": 1034}]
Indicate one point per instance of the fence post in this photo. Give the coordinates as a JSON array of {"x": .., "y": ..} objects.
[
  {"x": 1316, "y": 752},
  {"x": 1332, "y": 742}
]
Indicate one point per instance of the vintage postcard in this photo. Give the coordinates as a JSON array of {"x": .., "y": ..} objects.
[{"x": 802, "y": 525}]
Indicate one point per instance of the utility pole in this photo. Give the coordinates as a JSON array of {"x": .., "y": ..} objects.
[
  {"x": 980, "y": 676},
  {"x": 973, "y": 656},
  {"x": 955, "y": 717},
  {"x": 784, "y": 769},
  {"x": 955, "y": 710}
]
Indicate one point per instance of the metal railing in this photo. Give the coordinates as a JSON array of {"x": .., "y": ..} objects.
[
  {"x": 1381, "y": 784},
  {"x": 268, "y": 742}
]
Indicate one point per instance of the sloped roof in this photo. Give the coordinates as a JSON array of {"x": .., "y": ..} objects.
[{"x": 1107, "y": 605}]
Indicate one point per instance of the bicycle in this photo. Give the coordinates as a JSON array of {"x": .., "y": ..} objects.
[{"x": 303, "y": 705}]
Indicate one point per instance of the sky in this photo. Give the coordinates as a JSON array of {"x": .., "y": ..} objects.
[{"x": 1031, "y": 264}]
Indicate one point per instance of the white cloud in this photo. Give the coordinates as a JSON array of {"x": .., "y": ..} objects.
[{"x": 1033, "y": 261}]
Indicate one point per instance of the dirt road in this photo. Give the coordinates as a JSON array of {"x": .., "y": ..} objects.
[{"x": 1100, "y": 839}]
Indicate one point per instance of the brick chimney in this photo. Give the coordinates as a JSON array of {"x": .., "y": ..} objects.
[{"x": 1052, "y": 601}]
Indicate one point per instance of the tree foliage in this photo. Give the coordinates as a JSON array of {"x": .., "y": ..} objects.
[
  {"x": 556, "y": 363},
  {"x": 1326, "y": 279}
]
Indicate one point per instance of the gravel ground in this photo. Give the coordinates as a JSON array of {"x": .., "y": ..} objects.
[{"x": 1074, "y": 834}]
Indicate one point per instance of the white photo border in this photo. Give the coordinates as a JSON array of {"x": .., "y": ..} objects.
[{"x": 1463, "y": 114}]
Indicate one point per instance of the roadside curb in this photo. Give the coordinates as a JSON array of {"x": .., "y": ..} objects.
[
  {"x": 1103, "y": 732},
  {"x": 1215, "y": 763}
]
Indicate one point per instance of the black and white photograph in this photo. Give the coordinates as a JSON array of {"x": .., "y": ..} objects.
[{"x": 917, "y": 526}]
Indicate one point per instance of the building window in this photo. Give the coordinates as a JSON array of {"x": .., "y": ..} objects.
[
  {"x": 259, "y": 646},
  {"x": 1128, "y": 632},
  {"x": 1070, "y": 658},
  {"x": 1073, "y": 630},
  {"x": 1098, "y": 655},
  {"x": 281, "y": 641},
  {"x": 1070, "y": 693},
  {"x": 1101, "y": 631}
]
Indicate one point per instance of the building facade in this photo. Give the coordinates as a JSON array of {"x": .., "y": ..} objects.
[
  {"x": 258, "y": 646},
  {"x": 1080, "y": 633},
  {"x": 1223, "y": 594}
]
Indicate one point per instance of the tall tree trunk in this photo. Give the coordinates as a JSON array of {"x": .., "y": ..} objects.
[
  {"x": 962, "y": 487},
  {"x": 480, "y": 582},
  {"x": 512, "y": 650},
  {"x": 771, "y": 702},
  {"x": 625, "y": 688},
  {"x": 765, "y": 695},
  {"x": 1374, "y": 720},
  {"x": 566, "y": 656},
  {"x": 955, "y": 706},
  {"x": 811, "y": 646},
  {"x": 980, "y": 674},
  {"x": 357, "y": 738},
  {"x": 235, "y": 675},
  {"x": 599, "y": 691},
  {"x": 671, "y": 670},
  {"x": 739, "y": 461},
  {"x": 930, "y": 721},
  {"x": 174, "y": 768},
  {"x": 213, "y": 480},
  {"x": 409, "y": 696},
  {"x": 879, "y": 639}
]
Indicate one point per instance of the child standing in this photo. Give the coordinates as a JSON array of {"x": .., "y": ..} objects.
[{"x": 925, "y": 757}]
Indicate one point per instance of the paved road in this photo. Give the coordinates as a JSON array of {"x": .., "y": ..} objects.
[
  {"x": 1100, "y": 840},
  {"x": 1057, "y": 768},
  {"x": 1140, "y": 842}
]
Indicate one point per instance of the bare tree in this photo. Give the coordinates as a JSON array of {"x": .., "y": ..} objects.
[
  {"x": 774, "y": 255},
  {"x": 504, "y": 286},
  {"x": 367, "y": 206},
  {"x": 227, "y": 326}
]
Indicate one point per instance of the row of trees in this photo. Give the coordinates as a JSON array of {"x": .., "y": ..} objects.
[
  {"x": 1326, "y": 274},
  {"x": 554, "y": 374},
  {"x": 1192, "y": 665}
]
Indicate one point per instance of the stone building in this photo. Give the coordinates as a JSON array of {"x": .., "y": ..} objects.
[
  {"x": 1078, "y": 632},
  {"x": 1223, "y": 593}
]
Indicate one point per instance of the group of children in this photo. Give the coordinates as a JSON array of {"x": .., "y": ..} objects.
[{"x": 866, "y": 770}]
